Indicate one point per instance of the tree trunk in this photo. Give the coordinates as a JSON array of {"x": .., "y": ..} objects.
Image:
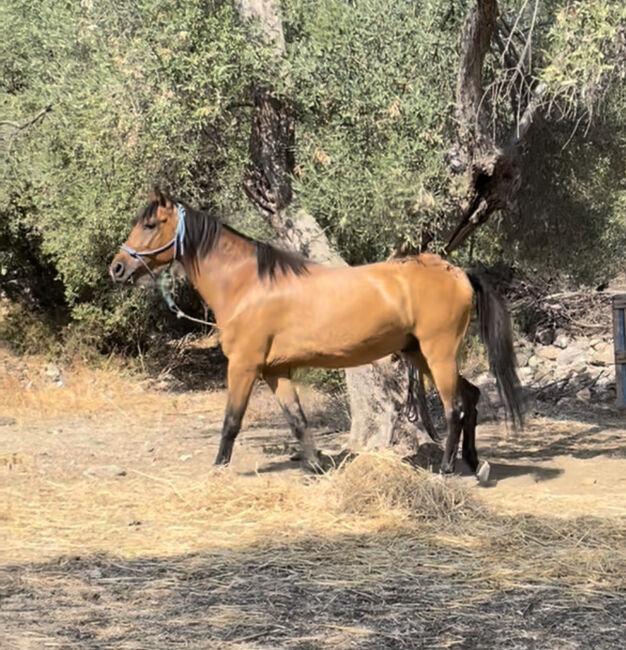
[
  {"x": 492, "y": 170},
  {"x": 377, "y": 392}
]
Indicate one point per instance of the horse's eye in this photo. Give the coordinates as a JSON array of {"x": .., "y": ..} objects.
[{"x": 149, "y": 226}]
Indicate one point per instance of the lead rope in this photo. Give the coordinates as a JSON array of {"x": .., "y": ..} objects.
[{"x": 164, "y": 282}]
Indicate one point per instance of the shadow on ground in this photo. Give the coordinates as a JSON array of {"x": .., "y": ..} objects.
[{"x": 366, "y": 592}]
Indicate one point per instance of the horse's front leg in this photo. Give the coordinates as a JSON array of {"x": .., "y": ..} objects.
[
  {"x": 282, "y": 387},
  {"x": 240, "y": 382}
]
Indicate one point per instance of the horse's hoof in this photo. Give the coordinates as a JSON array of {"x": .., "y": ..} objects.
[{"x": 483, "y": 475}]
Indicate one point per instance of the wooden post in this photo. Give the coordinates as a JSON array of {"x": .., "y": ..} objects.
[{"x": 619, "y": 340}]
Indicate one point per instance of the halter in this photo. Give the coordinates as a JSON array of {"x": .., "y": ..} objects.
[{"x": 177, "y": 242}]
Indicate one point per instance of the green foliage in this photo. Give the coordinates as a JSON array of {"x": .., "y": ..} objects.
[
  {"x": 137, "y": 97},
  {"x": 585, "y": 49},
  {"x": 373, "y": 87},
  {"x": 330, "y": 381},
  {"x": 573, "y": 207}
]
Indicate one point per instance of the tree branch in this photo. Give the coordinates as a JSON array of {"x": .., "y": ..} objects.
[
  {"x": 33, "y": 120},
  {"x": 18, "y": 129}
]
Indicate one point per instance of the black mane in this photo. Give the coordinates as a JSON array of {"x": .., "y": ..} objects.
[{"x": 202, "y": 233}]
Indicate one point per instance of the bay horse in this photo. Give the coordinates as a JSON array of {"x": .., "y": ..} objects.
[{"x": 278, "y": 311}]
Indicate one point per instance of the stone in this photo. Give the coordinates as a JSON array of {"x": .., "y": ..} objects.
[
  {"x": 561, "y": 341},
  {"x": 566, "y": 402},
  {"x": 584, "y": 395},
  {"x": 534, "y": 361},
  {"x": 544, "y": 375},
  {"x": 569, "y": 356},
  {"x": 104, "y": 471},
  {"x": 544, "y": 336},
  {"x": 602, "y": 355},
  {"x": 547, "y": 352}
]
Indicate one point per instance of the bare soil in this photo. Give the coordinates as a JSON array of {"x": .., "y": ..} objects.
[{"x": 117, "y": 532}]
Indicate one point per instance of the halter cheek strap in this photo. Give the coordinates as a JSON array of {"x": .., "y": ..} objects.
[{"x": 178, "y": 241}]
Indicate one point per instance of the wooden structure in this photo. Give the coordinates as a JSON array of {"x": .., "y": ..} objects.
[{"x": 619, "y": 338}]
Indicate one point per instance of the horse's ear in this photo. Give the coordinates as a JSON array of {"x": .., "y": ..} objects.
[{"x": 157, "y": 196}]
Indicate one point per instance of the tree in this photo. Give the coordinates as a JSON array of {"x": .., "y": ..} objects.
[{"x": 391, "y": 141}]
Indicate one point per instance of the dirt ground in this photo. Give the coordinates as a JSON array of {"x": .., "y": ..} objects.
[{"x": 117, "y": 532}]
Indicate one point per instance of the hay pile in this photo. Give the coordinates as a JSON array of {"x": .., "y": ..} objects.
[{"x": 376, "y": 494}]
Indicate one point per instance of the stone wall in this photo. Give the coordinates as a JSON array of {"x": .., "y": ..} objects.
[{"x": 568, "y": 373}]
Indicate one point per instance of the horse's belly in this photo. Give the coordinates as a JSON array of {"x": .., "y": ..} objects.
[{"x": 334, "y": 349}]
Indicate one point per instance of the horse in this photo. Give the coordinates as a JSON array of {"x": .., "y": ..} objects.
[{"x": 278, "y": 311}]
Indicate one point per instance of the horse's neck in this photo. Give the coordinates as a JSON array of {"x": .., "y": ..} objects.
[{"x": 225, "y": 275}]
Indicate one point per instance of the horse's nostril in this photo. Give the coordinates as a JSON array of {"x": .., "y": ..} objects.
[{"x": 117, "y": 270}]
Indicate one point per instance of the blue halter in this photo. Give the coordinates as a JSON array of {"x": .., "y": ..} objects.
[{"x": 178, "y": 241}]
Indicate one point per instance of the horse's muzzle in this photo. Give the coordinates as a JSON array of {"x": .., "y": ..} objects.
[{"x": 120, "y": 270}]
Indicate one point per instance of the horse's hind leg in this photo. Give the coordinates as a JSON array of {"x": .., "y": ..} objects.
[
  {"x": 287, "y": 397},
  {"x": 445, "y": 376},
  {"x": 470, "y": 395},
  {"x": 240, "y": 382}
]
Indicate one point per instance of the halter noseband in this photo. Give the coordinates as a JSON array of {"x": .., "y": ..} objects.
[{"x": 177, "y": 241}]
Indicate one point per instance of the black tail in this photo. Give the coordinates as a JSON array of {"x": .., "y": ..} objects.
[{"x": 497, "y": 335}]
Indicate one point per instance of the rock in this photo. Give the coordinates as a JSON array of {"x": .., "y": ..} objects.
[
  {"x": 104, "y": 471},
  {"x": 53, "y": 372},
  {"x": 544, "y": 375},
  {"x": 606, "y": 381},
  {"x": 566, "y": 402},
  {"x": 602, "y": 355},
  {"x": 523, "y": 357},
  {"x": 572, "y": 355},
  {"x": 7, "y": 421},
  {"x": 185, "y": 457},
  {"x": 534, "y": 361},
  {"x": 561, "y": 341},
  {"x": 584, "y": 395},
  {"x": 544, "y": 336},
  {"x": 547, "y": 352}
]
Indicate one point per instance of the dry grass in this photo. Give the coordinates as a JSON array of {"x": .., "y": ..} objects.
[
  {"x": 31, "y": 386},
  {"x": 143, "y": 514}
]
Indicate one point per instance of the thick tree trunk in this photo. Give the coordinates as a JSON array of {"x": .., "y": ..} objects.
[{"x": 377, "y": 392}]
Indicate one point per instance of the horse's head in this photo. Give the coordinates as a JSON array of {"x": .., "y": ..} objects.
[{"x": 155, "y": 240}]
